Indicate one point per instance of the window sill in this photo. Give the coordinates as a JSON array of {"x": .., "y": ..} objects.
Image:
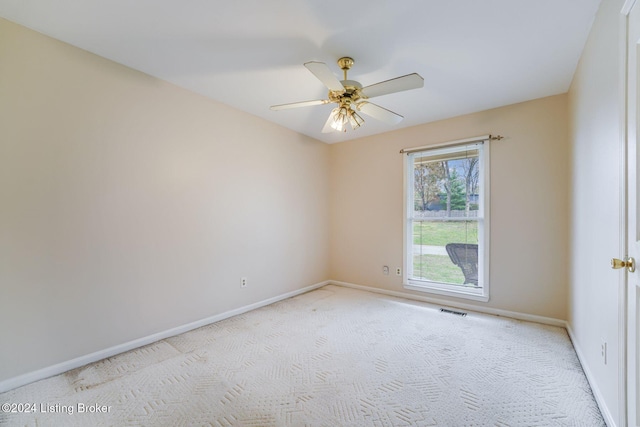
[{"x": 476, "y": 294}]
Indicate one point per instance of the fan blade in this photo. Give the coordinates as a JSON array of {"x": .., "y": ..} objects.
[
  {"x": 299, "y": 104},
  {"x": 324, "y": 74},
  {"x": 410, "y": 81},
  {"x": 377, "y": 112}
]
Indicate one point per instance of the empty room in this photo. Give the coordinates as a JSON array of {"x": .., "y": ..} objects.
[{"x": 304, "y": 213}]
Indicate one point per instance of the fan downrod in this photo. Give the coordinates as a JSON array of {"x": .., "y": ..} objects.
[{"x": 345, "y": 63}]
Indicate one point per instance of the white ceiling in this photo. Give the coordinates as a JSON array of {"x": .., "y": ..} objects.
[{"x": 473, "y": 54}]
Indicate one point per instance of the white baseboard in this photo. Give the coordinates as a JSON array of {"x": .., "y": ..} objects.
[
  {"x": 487, "y": 310},
  {"x": 597, "y": 394},
  {"x": 62, "y": 367}
]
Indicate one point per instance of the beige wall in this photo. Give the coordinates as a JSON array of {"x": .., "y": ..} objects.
[
  {"x": 129, "y": 206},
  {"x": 529, "y": 204},
  {"x": 595, "y": 138}
]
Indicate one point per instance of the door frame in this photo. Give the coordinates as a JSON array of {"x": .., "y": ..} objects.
[{"x": 626, "y": 330}]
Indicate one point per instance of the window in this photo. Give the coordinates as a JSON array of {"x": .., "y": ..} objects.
[{"x": 447, "y": 220}]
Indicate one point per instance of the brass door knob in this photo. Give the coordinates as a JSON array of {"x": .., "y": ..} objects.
[{"x": 628, "y": 263}]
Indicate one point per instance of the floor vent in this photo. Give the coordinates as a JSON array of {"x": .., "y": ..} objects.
[{"x": 458, "y": 313}]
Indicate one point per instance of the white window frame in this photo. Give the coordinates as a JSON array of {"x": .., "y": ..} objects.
[{"x": 478, "y": 294}]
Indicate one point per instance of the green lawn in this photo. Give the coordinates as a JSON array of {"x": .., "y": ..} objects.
[
  {"x": 437, "y": 268},
  {"x": 439, "y": 233}
]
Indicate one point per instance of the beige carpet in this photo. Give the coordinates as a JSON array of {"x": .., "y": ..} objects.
[{"x": 331, "y": 357}]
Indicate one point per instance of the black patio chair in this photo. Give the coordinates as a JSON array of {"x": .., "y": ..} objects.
[{"x": 465, "y": 256}]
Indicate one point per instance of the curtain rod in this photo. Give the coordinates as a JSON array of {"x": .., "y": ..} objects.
[{"x": 454, "y": 143}]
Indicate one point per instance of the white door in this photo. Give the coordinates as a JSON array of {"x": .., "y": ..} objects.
[{"x": 632, "y": 223}]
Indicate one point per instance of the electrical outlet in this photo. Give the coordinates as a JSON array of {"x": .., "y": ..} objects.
[
  {"x": 385, "y": 270},
  {"x": 243, "y": 282},
  {"x": 398, "y": 271},
  {"x": 603, "y": 351}
]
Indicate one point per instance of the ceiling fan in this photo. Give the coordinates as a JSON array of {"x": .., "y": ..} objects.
[{"x": 352, "y": 98}]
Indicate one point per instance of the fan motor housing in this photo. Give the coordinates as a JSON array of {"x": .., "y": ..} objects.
[{"x": 351, "y": 91}]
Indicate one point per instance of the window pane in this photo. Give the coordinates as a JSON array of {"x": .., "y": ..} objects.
[
  {"x": 446, "y": 188},
  {"x": 446, "y": 251}
]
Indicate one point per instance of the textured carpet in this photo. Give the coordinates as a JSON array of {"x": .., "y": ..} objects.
[{"x": 331, "y": 357}]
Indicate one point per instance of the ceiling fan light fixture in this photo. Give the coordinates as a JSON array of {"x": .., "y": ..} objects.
[
  {"x": 355, "y": 120},
  {"x": 340, "y": 117}
]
